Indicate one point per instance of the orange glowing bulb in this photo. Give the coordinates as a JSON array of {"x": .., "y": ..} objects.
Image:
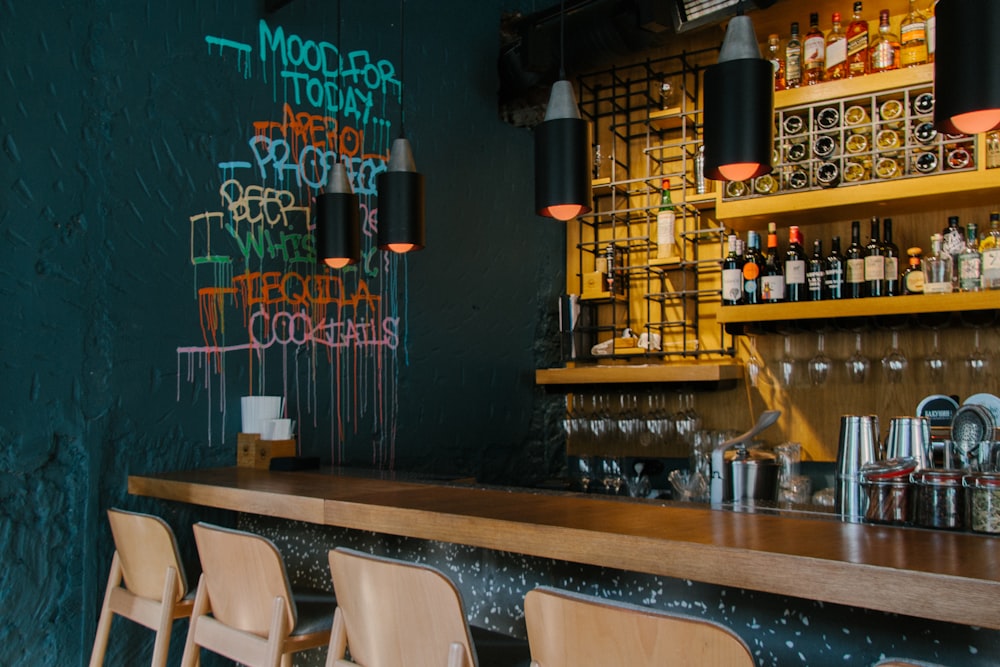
[
  {"x": 739, "y": 171},
  {"x": 401, "y": 247},
  {"x": 975, "y": 122},
  {"x": 564, "y": 211},
  {"x": 337, "y": 262}
]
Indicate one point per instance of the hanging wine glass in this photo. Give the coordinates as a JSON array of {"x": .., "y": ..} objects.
[
  {"x": 756, "y": 373},
  {"x": 978, "y": 361},
  {"x": 858, "y": 364},
  {"x": 819, "y": 365},
  {"x": 787, "y": 365},
  {"x": 936, "y": 362},
  {"x": 894, "y": 361}
]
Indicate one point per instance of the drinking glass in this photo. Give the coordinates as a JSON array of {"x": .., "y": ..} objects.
[
  {"x": 819, "y": 365},
  {"x": 936, "y": 362},
  {"x": 978, "y": 362},
  {"x": 858, "y": 364},
  {"x": 894, "y": 361},
  {"x": 610, "y": 472},
  {"x": 756, "y": 372},
  {"x": 581, "y": 472},
  {"x": 787, "y": 365}
]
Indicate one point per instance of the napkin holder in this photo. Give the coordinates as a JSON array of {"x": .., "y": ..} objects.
[{"x": 252, "y": 452}]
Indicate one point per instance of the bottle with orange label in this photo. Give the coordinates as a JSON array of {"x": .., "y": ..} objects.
[
  {"x": 753, "y": 261},
  {"x": 912, "y": 39}
]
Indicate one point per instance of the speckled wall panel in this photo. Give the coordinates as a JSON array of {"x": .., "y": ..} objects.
[{"x": 780, "y": 630}]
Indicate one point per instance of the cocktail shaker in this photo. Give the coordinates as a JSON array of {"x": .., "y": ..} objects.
[{"x": 858, "y": 444}]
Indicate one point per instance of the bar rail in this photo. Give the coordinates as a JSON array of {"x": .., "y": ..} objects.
[{"x": 952, "y": 577}]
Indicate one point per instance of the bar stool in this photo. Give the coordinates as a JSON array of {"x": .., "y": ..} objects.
[
  {"x": 244, "y": 608},
  {"x": 392, "y": 612},
  {"x": 571, "y": 630},
  {"x": 146, "y": 584}
]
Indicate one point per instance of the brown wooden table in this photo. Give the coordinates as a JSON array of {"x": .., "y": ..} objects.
[{"x": 938, "y": 575}]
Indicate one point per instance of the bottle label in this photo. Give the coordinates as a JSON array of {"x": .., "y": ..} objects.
[
  {"x": 772, "y": 288},
  {"x": 793, "y": 66},
  {"x": 912, "y": 55},
  {"x": 969, "y": 272},
  {"x": 891, "y": 268},
  {"x": 855, "y": 271},
  {"x": 812, "y": 51},
  {"x": 931, "y": 35},
  {"x": 953, "y": 244},
  {"x": 732, "y": 284},
  {"x": 665, "y": 242},
  {"x": 814, "y": 279},
  {"x": 937, "y": 288},
  {"x": 858, "y": 44},
  {"x": 991, "y": 264},
  {"x": 795, "y": 272},
  {"x": 883, "y": 56},
  {"x": 875, "y": 268},
  {"x": 914, "y": 282},
  {"x": 913, "y": 32},
  {"x": 751, "y": 273},
  {"x": 834, "y": 279},
  {"x": 836, "y": 53}
]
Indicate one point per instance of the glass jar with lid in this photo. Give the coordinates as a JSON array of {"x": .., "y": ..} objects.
[
  {"x": 887, "y": 487},
  {"x": 982, "y": 493},
  {"x": 938, "y": 499}
]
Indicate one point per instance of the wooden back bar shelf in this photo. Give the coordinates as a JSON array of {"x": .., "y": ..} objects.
[{"x": 953, "y": 577}]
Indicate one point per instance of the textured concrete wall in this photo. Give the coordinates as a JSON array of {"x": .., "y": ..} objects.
[{"x": 113, "y": 120}]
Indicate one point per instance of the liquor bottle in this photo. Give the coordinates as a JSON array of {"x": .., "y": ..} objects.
[
  {"x": 884, "y": 49},
  {"x": 813, "y": 53},
  {"x": 816, "y": 273},
  {"x": 913, "y": 277},
  {"x": 891, "y": 253},
  {"x": 969, "y": 263},
  {"x": 795, "y": 267},
  {"x": 772, "y": 278},
  {"x": 857, "y": 44},
  {"x": 932, "y": 32},
  {"x": 834, "y": 281},
  {"x": 793, "y": 59},
  {"x": 990, "y": 250},
  {"x": 854, "y": 284},
  {"x": 753, "y": 262},
  {"x": 874, "y": 263},
  {"x": 732, "y": 275},
  {"x": 953, "y": 237},
  {"x": 774, "y": 55},
  {"x": 666, "y": 218},
  {"x": 612, "y": 269},
  {"x": 912, "y": 39},
  {"x": 937, "y": 268},
  {"x": 836, "y": 52}
]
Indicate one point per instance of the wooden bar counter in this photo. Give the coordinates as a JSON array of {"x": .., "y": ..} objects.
[{"x": 952, "y": 577}]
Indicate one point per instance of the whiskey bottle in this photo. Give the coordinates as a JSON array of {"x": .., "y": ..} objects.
[
  {"x": 813, "y": 53},
  {"x": 854, "y": 259},
  {"x": 666, "y": 218},
  {"x": 953, "y": 237},
  {"x": 913, "y": 277},
  {"x": 795, "y": 267},
  {"x": 874, "y": 263},
  {"x": 753, "y": 263},
  {"x": 836, "y": 52},
  {"x": 793, "y": 59},
  {"x": 989, "y": 248},
  {"x": 834, "y": 279},
  {"x": 732, "y": 275},
  {"x": 937, "y": 268},
  {"x": 816, "y": 273},
  {"x": 891, "y": 253},
  {"x": 969, "y": 262},
  {"x": 774, "y": 55},
  {"x": 884, "y": 49},
  {"x": 772, "y": 278},
  {"x": 912, "y": 39},
  {"x": 932, "y": 32},
  {"x": 857, "y": 44}
]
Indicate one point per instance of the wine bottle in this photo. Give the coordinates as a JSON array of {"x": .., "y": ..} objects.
[
  {"x": 891, "y": 253},
  {"x": 834, "y": 281},
  {"x": 732, "y": 275},
  {"x": 753, "y": 262},
  {"x": 772, "y": 276},
  {"x": 795, "y": 267},
  {"x": 855, "y": 260},
  {"x": 874, "y": 263},
  {"x": 666, "y": 218},
  {"x": 816, "y": 273}
]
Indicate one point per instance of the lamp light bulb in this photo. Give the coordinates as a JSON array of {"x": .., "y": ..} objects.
[
  {"x": 564, "y": 211},
  {"x": 739, "y": 171},
  {"x": 337, "y": 262},
  {"x": 401, "y": 247},
  {"x": 975, "y": 122}
]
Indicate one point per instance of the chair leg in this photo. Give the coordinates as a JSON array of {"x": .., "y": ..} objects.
[
  {"x": 162, "y": 643},
  {"x": 104, "y": 621},
  {"x": 278, "y": 634},
  {"x": 456, "y": 655},
  {"x": 191, "y": 656},
  {"x": 338, "y": 639}
]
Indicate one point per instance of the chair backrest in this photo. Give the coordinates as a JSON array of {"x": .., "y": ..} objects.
[
  {"x": 572, "y": 630},
  {"x": 146, "y": 547},
  {"x": 398, "y": 613},
  {"x": 243, "y": 573}
]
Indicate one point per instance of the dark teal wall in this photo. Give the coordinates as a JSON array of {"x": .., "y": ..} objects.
[{"x": 114, "y": 119}]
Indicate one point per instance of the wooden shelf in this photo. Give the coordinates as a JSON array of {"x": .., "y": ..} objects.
[
  {"x": 671, "y": 119},
  {"x": 845, "y": 88},
  {"x": 872, "y": 306},
  {"x": 646, "y": 373}
]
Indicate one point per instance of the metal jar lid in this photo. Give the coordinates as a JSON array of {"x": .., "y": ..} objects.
[
  {"x": 893, "y": 471},
  {"x": 982, "y": 480},
  {"x": 937, "y": 477}
]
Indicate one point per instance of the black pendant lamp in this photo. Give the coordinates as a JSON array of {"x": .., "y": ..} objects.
[
  {"x": 739, "y": 107},
  {"x": 966, "y": 70},
  {"x": 338, "y": 219},
  {"x": 401, "y": 188},
  {"x": 562, "y": 151}
]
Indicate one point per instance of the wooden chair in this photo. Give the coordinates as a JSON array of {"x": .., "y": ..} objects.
[
  {"x": 392, "y": 613},
  {"x": 572, "y": 630},
  {"x": 146, "y": 584},
  {"x": 244, "y": 608}
]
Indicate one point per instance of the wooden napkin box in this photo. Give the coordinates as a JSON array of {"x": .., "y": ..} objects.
[{"x": 252, "y": 452}]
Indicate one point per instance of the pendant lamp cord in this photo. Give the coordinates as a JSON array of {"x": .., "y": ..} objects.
[
  {"x": 562, "y": 39},
  {"x": 340, "y": 84},
  {"x": 402, "y": 70}
]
